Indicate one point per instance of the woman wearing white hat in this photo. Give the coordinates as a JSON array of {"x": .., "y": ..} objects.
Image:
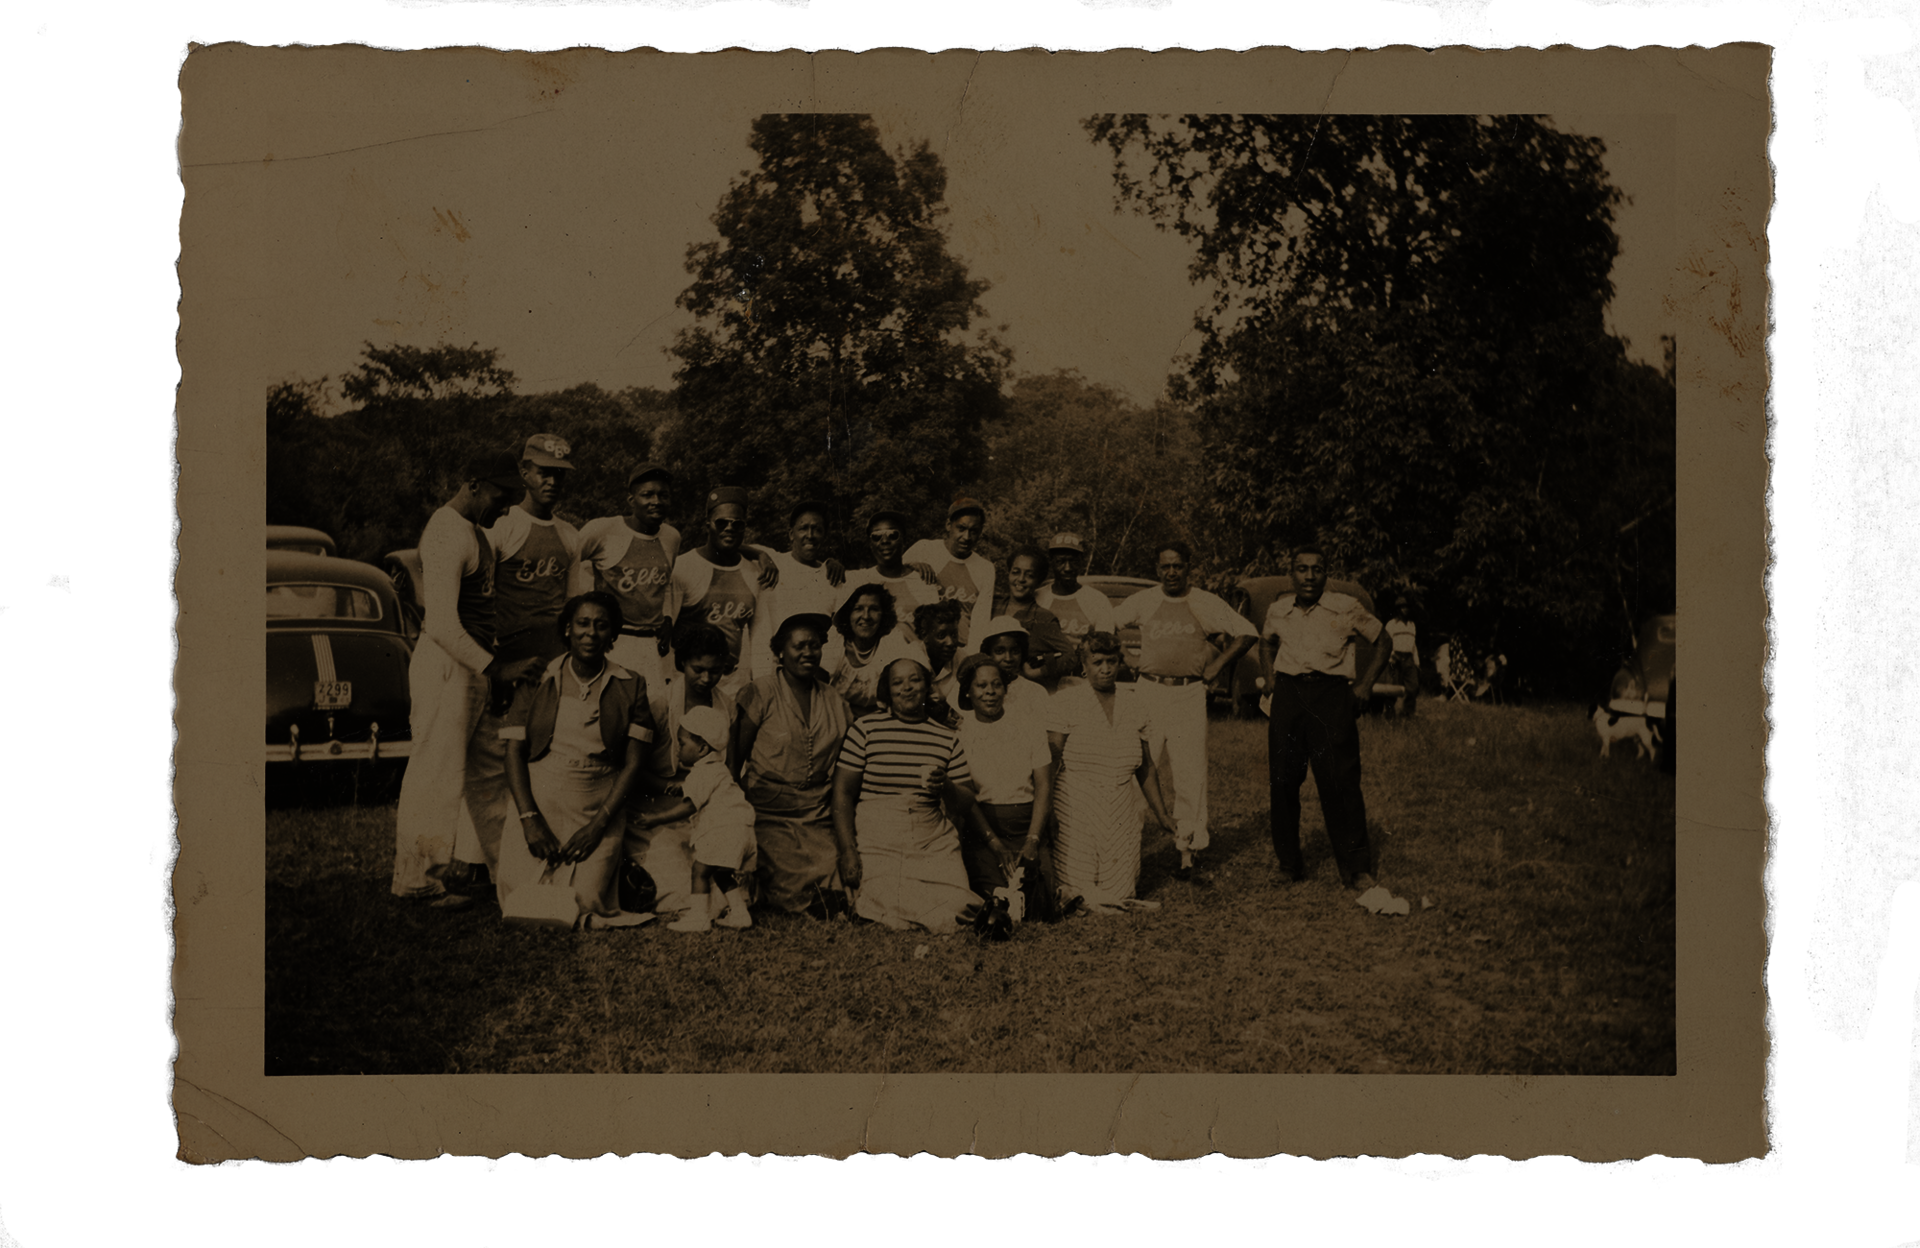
[{"x": 896, "y": 847}]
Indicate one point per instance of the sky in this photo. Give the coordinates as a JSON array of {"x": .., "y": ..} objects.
[{"x": 558, "y": 233}]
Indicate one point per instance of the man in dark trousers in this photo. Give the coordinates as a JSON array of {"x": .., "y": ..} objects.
[{"x": 1306, "y": 647}]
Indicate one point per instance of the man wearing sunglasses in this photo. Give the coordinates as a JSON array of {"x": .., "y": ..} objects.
[{"x": 716, "y": 582}]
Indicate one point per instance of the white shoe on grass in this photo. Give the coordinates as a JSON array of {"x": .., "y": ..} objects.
[{"x": 736, "y": 915}]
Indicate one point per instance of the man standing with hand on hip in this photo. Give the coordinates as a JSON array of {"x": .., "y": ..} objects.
[
  {"x": 453, "y": 675},
  {"x": 1306, "y": 647},
  {"x": 1177, "y": 660}
]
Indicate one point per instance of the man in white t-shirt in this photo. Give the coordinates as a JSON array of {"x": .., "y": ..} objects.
[
  {"x": 453, "y": 675},
  {"x": 1177, "y": 660},
  {"x": 808, "y": 584},
  {"x": 965, "y": 576}
]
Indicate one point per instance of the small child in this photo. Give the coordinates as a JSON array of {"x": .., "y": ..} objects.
[{"x": 722, "y": 841}]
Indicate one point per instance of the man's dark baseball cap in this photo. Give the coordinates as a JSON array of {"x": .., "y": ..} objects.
[
  {"x": 499, "y": 468},
  {"x": 803, "y": 507},
  {"x": 899, "y": 518},
  {"x": 721, "y": 495},
  {"x": 648, "y": 470}
]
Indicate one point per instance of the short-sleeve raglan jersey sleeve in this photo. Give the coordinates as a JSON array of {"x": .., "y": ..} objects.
[
  {"x": 1136, "y": 608},
  {"x": 1099, "y": 609},
  {"x": 1217, "y": 617}
]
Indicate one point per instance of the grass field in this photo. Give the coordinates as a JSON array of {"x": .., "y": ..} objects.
[{"x": 1548, "y": 947}]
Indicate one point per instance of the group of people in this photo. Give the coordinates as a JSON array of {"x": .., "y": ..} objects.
[{"x": 760, "y": 728}]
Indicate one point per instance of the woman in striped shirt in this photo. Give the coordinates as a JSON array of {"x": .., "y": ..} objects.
[
  {"x": 896, "y": 847},
  {"x": 1098, "y": 734}
]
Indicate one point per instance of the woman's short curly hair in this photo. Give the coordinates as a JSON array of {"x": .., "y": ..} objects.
[
  {"x": 929, "y": 616},
  {"x": 694, "y": 638},
  {"x": 969, "y": 668},
  {"x": 599, "y": 598},
  {"x": 889, "y": 616},
  {"x": 1100, "y": 643}
]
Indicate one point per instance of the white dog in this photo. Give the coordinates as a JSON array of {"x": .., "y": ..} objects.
[{"x": 1612, "y": 727}]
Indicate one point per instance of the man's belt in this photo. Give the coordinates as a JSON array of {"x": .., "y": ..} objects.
[
  {"x": 632, "y": 630},
  {"x": 1312, "y": 676},
  {"x": 1170, "y": 680}
]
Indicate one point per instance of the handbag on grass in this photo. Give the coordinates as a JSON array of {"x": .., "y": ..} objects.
[{"x": 547, "y": 903}]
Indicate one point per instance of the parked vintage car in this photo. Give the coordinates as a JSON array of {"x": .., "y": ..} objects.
[
  {"x": 1259, "y": 593},
  {"x": 337, "y": 662},
  {"x": 300, "y": 538},
  {"x": 403, "y": 569}
]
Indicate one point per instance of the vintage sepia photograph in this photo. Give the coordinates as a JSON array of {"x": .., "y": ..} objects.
[
  {"x": 782, "y": 623},
  {"x": 929, "y": 569}
]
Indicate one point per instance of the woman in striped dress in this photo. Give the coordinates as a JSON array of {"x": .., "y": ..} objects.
[
  {"x": 896, "y": 848},
  {"x": 1098, "y": 734}
]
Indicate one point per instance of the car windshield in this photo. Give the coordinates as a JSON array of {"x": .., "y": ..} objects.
[{"x": 321, "y": 602}]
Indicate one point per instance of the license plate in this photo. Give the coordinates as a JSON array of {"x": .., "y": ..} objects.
[{"x": 332, "y": 695}]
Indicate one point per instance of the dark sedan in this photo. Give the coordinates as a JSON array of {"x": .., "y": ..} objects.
[{"x": 337, "y": 659}]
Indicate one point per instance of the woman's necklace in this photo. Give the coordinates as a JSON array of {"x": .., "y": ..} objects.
[
  {"x": 866, "y": 655},
  {"x": 585, "y": 682}
]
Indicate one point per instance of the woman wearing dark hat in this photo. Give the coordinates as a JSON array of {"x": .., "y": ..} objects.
[
  {"x": 631, "y": 557},
  {"x": 714, "y": 583},
  {"x": 787, "y": 736},
  {"x": 896, "y": 848}
]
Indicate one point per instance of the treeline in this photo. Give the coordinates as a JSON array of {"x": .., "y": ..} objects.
[{"x": 1405, "y": 359}]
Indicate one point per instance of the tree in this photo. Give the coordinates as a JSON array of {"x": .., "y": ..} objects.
[
  {"x": 1406, "y": 358},
  {"x": 1069, "y": 454},
  {"x": 831, "y": 355},
  {"x": 391, "y": 375},
  {"x": 371, "y": 476}
]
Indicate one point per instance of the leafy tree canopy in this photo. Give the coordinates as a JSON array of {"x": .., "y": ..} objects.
[
  {"x": 831, "y": 356},
  {"x": 1406, "y": 358}
]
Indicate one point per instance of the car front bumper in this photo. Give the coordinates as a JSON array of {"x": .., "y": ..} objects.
[{"x": 336, "y": 751}]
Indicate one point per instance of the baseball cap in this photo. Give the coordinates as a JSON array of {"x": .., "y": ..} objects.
[
  {"x": 722, "y": 495},
  {"x": 549, "y": 450},
  {"x": 1002, "y": 624},
  {"x": 1068, "y": 541},
  {"x": 963, "y": 505},
  {"x": 899, "y": 518},
  {"x": 496, "y": 468},
  {"x": 804, "y": 506},
  {"x": 645, "y": 471}
]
